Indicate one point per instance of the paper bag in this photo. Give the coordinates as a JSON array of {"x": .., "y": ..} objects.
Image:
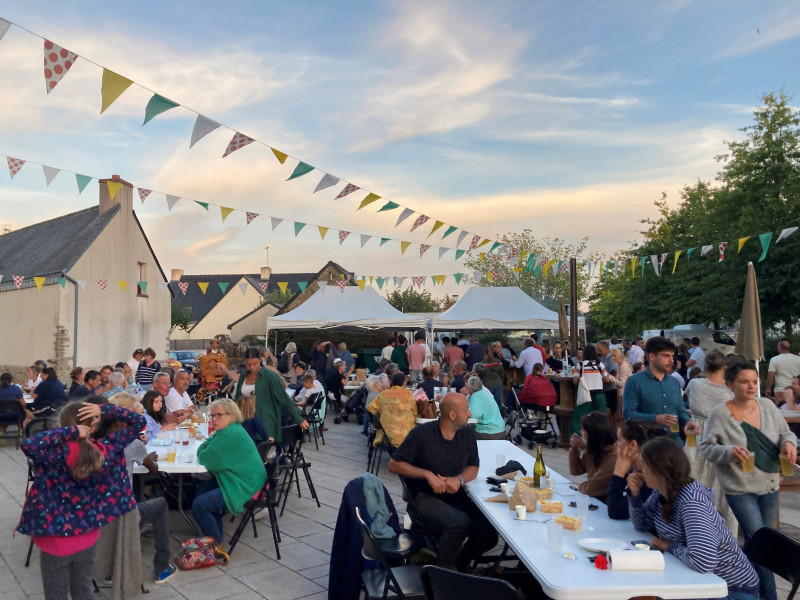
[
  {"x": 522, "y": 494},
  {"x": 499, "y": 498},
  {"x": 361, "y": 375}
]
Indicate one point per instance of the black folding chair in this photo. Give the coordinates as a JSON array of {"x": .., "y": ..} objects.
[
  {"x": 15, "y": 417},
  {"x": 377, "y": 450},
  {"x": 417, "y": 520},
  {"x": 32, "y": 428},
  {"x": 314, "y": 417},
  {"x": 444, "y": 584},
  {"x": 292, "y": 437},
  {"x": 777, "y": 552}
]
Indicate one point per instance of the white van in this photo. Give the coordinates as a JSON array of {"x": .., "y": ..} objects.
[{"x": 710, "y": 339}]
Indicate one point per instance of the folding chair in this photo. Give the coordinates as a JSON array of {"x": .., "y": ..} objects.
[
  {"x": 777, "y": 552},
  {"x": 292, "y": 437},
  {"x": 444, "y": 584},
  {"x": 34, "y": 427},
  {"x": 15, "y": 417},
  {"x": 314, "y": 417},
  {"x": 377, "y": 451},
  {"x": 417, "y": 520}
]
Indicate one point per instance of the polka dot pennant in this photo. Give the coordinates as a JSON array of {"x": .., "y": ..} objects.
[
  {"x": 103, "y": 283},
  {"x": 420, "y": 220},
  {"x": 18, "y": 279},
  {"x": 418, "y": 281},
  {"x": 183, "y": 286},
  {"x": 143, "y": 194},
  {"x": 263, "y": 286},
  {"x": 348, "y": 189},
  {"x": 250, "y": 216},
  {"x": 343, "y": 236},
  {"x": 423, "y": 248},
  {"x": 238, "y": 142},
  {"x": 341, "y": 283},
  {"x": 14, "y": 165},
  {"x": 57, "y": 61}
]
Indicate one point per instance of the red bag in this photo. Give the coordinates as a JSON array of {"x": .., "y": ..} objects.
[{"x": 199, "y": 553}]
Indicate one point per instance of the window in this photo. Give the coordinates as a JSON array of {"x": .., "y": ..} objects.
[{"x": 141, "y": 290}]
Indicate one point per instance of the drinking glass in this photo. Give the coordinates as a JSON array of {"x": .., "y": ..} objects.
[
  {"x": 749, "y": 463},
  {"x": 521, "y": 510},
  {"x": 691, "y": 439},
  {"x": 171, "y": 453},
  {"x": 554, "y": 537},
  {"x": 787, "y": 468}
]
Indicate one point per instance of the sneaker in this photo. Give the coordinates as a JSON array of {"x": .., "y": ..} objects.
[
  {"x": 263, "y": 512},
  {"x": 166, "y": 573}
]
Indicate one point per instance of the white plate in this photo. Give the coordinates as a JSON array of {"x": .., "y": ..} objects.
[{"x": 601, "y": 544}]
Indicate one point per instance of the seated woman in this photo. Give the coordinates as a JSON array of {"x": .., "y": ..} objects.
[
  {"x": 10, "y": 413},
  {"x": 374, "y": 385},
  {"x": 681, "y": 513},
  {"x": 155, "y": 413},
  {"x": 232, "y": 458},
  {"x": 48, "y": 396},
  {"x": 537, "y": 390},
  {"x": 484, "y": 408},
  {"x": 631, "y": 436},
  {"x": 593, "y": 453},
  {"x": 396, "y": 409},
  {"x": 251, "y": 423}
]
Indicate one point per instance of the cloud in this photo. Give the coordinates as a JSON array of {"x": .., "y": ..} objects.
[
  {"x": 619, "y": 102},
  {"x": 783, "y": 26}
]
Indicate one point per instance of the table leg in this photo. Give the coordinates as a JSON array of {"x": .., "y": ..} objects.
[{"x": 180, "y": 506}]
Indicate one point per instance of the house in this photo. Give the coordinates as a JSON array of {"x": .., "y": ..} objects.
[
  {"x": 232, "y": 304},
  {"x": 84, "y": 289}
]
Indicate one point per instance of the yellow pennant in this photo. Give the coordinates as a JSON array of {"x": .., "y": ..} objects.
[
  {"x": 489, "y": 276},
  {"x": 675, "y": 264},
  {"x": 203, "y": 285},
  {"x": 404, "y": 246},
  {"x": 279, "y": 155},
  {"x": 283, "y": 285},
  {"x": 112, "y": 88},
  {"x": 39, "y": 282},
  {"x": 225, "y": 211},
  {"x": 368, "y": 200},
  {"x": 547, "y": 266},
  {"x": 122, "y": 285},
  {"x": 322, "y": 231},
  {"x": 482, "y": 255},
  {"x": 742, "y": 242},
  {"x": 441, "y": 279},
  {"x": 113, "y": 188},
  {"x": 436, "y": 226},
  {"x": 633, "y": 267},
  {"x": 361, "y": 283},
  {"x": 370, "y": 279},
  {"x": 517, "y": 270},
  {"x": 483, "y": 243}
]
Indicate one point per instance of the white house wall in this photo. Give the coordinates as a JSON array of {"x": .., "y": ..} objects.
[{"x": 231, "y": 307}]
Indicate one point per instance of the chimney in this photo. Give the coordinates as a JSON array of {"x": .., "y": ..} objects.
[
  {"x": 266, "y": 272},
  {"x": 176, "y": 274},
  {"x": 123, "y": 197}
]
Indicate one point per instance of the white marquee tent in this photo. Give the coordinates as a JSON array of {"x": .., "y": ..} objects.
[{"x": 485, "y": 308}]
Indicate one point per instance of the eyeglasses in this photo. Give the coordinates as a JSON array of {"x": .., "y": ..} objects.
[{"x": 217, "y": 415}]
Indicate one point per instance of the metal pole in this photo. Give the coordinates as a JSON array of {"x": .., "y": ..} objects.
[
  {"x": 573, "y": 304},
  {"x": 75, "y": 324}
]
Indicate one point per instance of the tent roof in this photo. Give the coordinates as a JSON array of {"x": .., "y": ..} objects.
[
  {"x": 483, "y": 308},
  {"x": 349, "y": 307}
]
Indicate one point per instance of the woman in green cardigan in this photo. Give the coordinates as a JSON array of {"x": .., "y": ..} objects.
[{"x": 231, "y": 457}]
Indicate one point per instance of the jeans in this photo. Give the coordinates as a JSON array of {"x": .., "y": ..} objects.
[
  {"x": 453, "y": 522},
  {"x": 497, "y": 392},
  {"x": 754, "y": 512},
  {"x": 65, "y": 576},
  {"x": 208, "y": 508},
  {"x": 156, "y": 511}
]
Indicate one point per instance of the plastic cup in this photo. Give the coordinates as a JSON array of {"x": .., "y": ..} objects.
[
  {"x": 787, "y": 468},
  {"x": 691, "y": 439},
  {"x": 582, "y": 503},
  {"x": 554, "y": 537},
  {"x": 499, "y": 460},
  {"x": 749, "y": 463},
  {"x": 506, "y": 488},
  {"x": 551, "y": 483},
  {"x": 521, "y": 510},
  {"x": 674, "y": 427},
  {"x": 171, "y": 453}
]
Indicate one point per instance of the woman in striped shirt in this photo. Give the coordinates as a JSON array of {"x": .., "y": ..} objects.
[
  {"x": 681, "y": 513},
  {"x": 147, "y": 369}
]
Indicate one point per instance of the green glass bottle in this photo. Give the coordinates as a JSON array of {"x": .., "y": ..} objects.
[{"x": 539, "y": 470}]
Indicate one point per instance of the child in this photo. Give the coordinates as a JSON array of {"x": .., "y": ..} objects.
[
  {"x": 77, "y": 489},
  {"x": 251, "y": 423},
  {"x": 155, "y": 414}
]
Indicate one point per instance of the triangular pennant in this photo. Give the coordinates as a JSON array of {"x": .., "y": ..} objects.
[
  {"x": 112, "y": 88},
  {"x": 675, "y": 264},
  {"x": 275, "y": 222},
  {"x": 202, "y": 127},
  {"x": 689, "y": 253},
  {"x": 4, "y": 25},
  {"x": 298, "y": 227},
  {"x": 300, "y": 170},
  {"x": 368, "y": 200},
  {"x": 616, "y": 267},
  {"x": 515, "y": 273},
  {"x": 443, "y": 251},
  {"x": 302, "y": 285},
  {"x": 39, "y": 281},
  {"x": 706, "y": 249},
  {"x": 494, "y": 246},
  {"x": 62, "y": 281},
  {"x": 249, "y": 216},
  {"x": 18, "y": 280},
  {"x": 459, "y": 253},
  {"x": 343, "y": 236},
  {"x": 418, "y": 281},
  {"x": 401, "y": 281},
  {"x": 644, "y": 262},
  {"x": 361, "y": 283},
  {"x": 380, "y": 281},
  {"x": 474, "y": 243},
  {"x": 404, "y": 246},
  {"x": 661, "y": 260},
  {"x": 765, "y": 239},
  {"x": 263, "y": 285},
  {"x": 283, "y": 285},
  {"x": 15, "y": 164},
  {"x": 103, "y": 283},
  {"x": 81, "y": 283},
  {"x": 171, "y": 200},
  {"x": 742, "y": 242},
  {"x": 157, "y": 105},
  {"x": 633, "y": 267},
  {"x": 50, "y": 173},
  {"x": 490, "y": 276},
  {"x": 341, "y": 283},
  {"x": 420, "y": 220},
  {"x": 483, "y": 243},
  {"x": 327, "y": 181},
  {"x": 461, "y": 237},
  {"x": 786, "y": 233},
  {"x": 477, "y": 275},
  {"x": 57, "y": 61},
  {"x": 423, "y": 248},
  {"x": 482, "y": 257},
  {"x": 224, "y": 212},
  {"x": 142, "y": 286},
  {"x": 435, "y": 227},
  {"x": 654, "y": 262},
  {"x": 243, "y": 287},
  {"x": 223, "y": 286},
  {"x": 323, "y": 231},
  {"x": 365, "y": 238},
  {"x": 183, "y": 286},
  {"x": 203, "y": 285},
  {"x": 123, "y": 285},
  {"x": 407, "y": 212},
  {"x": 458, "y": 277},
  {"x": 113, "y": 188},
  {"x": 548, "y": 265},
  {"x": 83, "y": 181},
  {"x": 281, "y": 156},
  {"x": 238, "y": 141},
  {"x": 143, "y": 194},
  {"x": 389, "y": 206},
  {"x": 722, "y": 247},
  {"x": 557, "y": 270},
  {"x": 163, "y": 286},
  {"x": 450, "y": 229},
  {"x": 347, "y": 190}
]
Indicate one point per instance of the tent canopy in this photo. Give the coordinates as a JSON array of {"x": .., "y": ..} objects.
[
  {"x": 484, "y": 308},
  {"x": 349, "y": 307}
]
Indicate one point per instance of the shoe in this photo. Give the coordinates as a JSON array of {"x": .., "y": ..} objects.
[
  {"x": 324, "y": 429},
  {"x": 220, "y": 551},
  {"x": 284, "y": 461},
  {"x": 263, "y": 512},
  {"x": 166, "y": 573}
]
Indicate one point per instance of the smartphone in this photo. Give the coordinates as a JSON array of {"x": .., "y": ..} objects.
[{"x": 495, "y": 488}]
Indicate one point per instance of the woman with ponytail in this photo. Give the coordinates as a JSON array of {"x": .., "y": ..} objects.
[
  {"x": 680, "y": 512},
  {"x": 77, "y": 488}
]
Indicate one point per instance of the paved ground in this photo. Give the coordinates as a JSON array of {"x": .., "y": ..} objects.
[{"x": 307, "y": 533}]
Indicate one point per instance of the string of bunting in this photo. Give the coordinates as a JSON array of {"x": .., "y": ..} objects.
[{"x": 58, "y": 61}]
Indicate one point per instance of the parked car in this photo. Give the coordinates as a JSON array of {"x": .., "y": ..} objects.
[{"x": 189, "y": 359}]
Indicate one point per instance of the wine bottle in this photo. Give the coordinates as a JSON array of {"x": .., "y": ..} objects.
[{"x": 539, "y": 470}]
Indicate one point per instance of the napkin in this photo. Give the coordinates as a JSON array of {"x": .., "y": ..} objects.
[{"x": 636, "y": 560}]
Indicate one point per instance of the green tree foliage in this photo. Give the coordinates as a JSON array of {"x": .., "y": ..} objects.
[
  {"x": 544, "y": 289},
  {"x": 180, "y": 316},
  {"x": 410, "y": 300},
  {"x": 758, "y": 191},
  {"x": 277, "y": 296}
]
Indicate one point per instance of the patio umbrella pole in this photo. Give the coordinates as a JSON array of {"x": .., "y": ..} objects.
[{"x": 573, "y": 304}]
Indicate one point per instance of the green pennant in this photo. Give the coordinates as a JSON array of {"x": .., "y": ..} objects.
[
  {"x": 203, "y": 204},
  {"x": 62, "y": 281},
  {"x": 298, "y": 227},
  {"x": 83, "y": 181},
  {"x": 142, "y": 286},
  {"x": 495, "y": 245},
  {"x": 223, "y": 286},
  {"x": 384, "y": 240},
  {"x": 457, "y": 277},
  {"x": 765, "y": 239},
  {"x": 558, "y": 268},
  {"x": 537, "y": 272},
  {"x": 300, "y": 170},
  {"x": 459, "y": 253},
  {"x": 389, "y": 206},
  {"x": 157, "y": 105},
  {"x": 531, "y": 262},
  {"x": 450, "y": 230},
  {"x": 689, "y": 253},
  {"x": 302, "y": 285},
  {"x": 644, "y": 260},
  {"x": 380, "y": 281}
]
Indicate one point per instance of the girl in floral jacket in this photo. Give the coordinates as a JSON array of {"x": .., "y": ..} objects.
[{"x": 79, "y": 487}]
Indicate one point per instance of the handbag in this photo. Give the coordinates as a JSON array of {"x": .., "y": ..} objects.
[
  {"x": 200, "y": 553},
  {"x": 584, "y": 395},
  {"x": 425, "y": 408}
]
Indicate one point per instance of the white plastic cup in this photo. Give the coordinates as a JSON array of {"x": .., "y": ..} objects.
[
  {"x": 499, "y": 460},
  {"x": 554, "y": 537},
  {"x": 506, "y": 488},
  {"x": 582, "y": 502},
  {"x": 551, "y": 483},
  {"x": 521, "y": 510}
]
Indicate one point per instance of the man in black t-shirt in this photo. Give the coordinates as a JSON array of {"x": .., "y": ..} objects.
[{"x": 437, "y": 459}]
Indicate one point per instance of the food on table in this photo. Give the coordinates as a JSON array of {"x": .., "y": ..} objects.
[
  {"x": 570, "y": 523},
  {"x": 555, "y": 506},
  {"x": 544, "y": 494}
]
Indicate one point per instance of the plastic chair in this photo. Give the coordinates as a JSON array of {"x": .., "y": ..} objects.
[
  {"x": 403, "y": 582},
  {"x": 314, "y": 417},
  {"x": 444, "y": 584},
  {"x": 292, "y": 437},
  {"x": 777, "y": 552}
]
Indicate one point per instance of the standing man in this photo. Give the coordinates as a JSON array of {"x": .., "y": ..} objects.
[
  {"x": 697, "y": 357},
  {"x": 452, "y": 354},
  {"x": 437, "y": 459},
  {"x": 636, "y": 353},
  {"x": 475, "y": 353},
  {"x": 462, "y": 343},
  {"x": 609, "y": 387},
  {"x": 399, "y": 354},
  {"x": 529, "y": 357},
  {"x": 134, "y": 361},
  {"x": 653, "y": 395},
  {"x": 415, "y": 354},
  {"x": 388, "y": 348},
  {"x": 782, "y": 368}
]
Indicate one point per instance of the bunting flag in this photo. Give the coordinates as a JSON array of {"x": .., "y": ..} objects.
[
  {"x": 157, "y": 105},
  {"x": 249, "y": 216},
  {"x": 633, "y": 267},
  {"x": 281, "y": 156},
  {"x": 490, "y": 276},
  {"x": 644, "y": 261},
  {"x": 384, "y": 240},
  {"x": 443, "y": 251},
  {"x": 123, "y": 285},
  {"x": 203, "y": 204},
  {"x": 370, "y": 279},
  {"x": 57, "y": 61},
  {"x": 459, "y": 253},
  {"x": 423, "y": 248},
  {"x": 323, "y": 231},
  {"x": 341, "y": 283},
  {"x": 436, "y": 226},
  {"x": 474, "y": 243},
  {"x": 113, "y": 188},
  {"x": 171, "y": 200},
  {"x": 83, "y": 181},
  {"x": 368, "y": 200},
  {"x": 327, "y": 181},
  {"x": 113, "y": 87},
  {"x": 420, "y": 220},
  {"x": 143, "y": 286},
  {"x": 706, "y": 249},
  {"x": 380, "y": 281},
  {"x": 722, "y": 247},
  {"x": 238, "y": 141},
  {"x": 403, "y": 247},
  {"x": 654, "y": 262},
  {"x": 689, "y": 253},
  {"x": 361, "y": 283},
  {"x": 742, "y": 242},
  {"x": 483, "y": 243},
  {"x": 461, "y": 237},
  {"x": 283, "y": 285},
  {"x": 398, "y": 281},
  {"x": 477, "y": 276},
  {"x": 103, "y": 283},
  {"x": 661, "y": 260},
  {"x": 243, "y": 287},
  {"x": 418, "y": 281},
  {"x": 224, "y": 212},
  {"x": 765, "y": 239},
  {"x": 223, "y": 286},
  {"x": 302, "y": 285},
  {"x": 389, "y": 206},
  {"x": 458, "y": 277},
  {"x": 203, "y": 285},
  {"x": 275, "y": 222},
  {"x": 675, "y": 263},
  {"x": 18, "y": 280},
  {"x": 143, "y": 193},
  {"x": 39, "y": 281},
  {"x": 183, "y": 286},
  {"x": 450, "y": 229},
  {"x": 202, "y": 127},
  {"x": 786, "y": 233},
  {"x": 4, "y": 25},
  {"x": 365, "y": 238},
  {"x": 62, "y": 281},
  {"x": 548, "y": 265},
  {"x": 263, "y": 285},
  {"x": 82, "y": 283},
  {"x": 407, "y": 212},
  {"x": 15, "y": 164},
  {"x": 298, "y": 227},
  {"x": 300, "y": 170},
  {"x": 347, "y": 190},
  {"x": 49, "y": 174},
  {"x": 343, "y": 236}
]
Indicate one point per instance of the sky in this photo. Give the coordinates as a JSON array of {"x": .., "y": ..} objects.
[{"x": 570, "y": 119}]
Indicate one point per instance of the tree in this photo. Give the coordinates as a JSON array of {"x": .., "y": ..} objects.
[
  {"x": 445, "y": 303},
  {"x": 410, "y": 300},
  {"x": 180, "y": 316},
  {"x": 276, "y": 296}
]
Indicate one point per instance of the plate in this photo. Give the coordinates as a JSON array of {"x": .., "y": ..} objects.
[
  {"x": 601, "y": 544},
  {"x": 158, "y": 442}
]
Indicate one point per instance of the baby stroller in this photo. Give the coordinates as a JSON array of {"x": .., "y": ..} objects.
[
  {"x": 535, "y": 422},
  {"x": 356, "y": 405}
]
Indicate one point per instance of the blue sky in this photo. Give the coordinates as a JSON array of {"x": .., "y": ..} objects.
[{"x": 568, "y": 118}]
